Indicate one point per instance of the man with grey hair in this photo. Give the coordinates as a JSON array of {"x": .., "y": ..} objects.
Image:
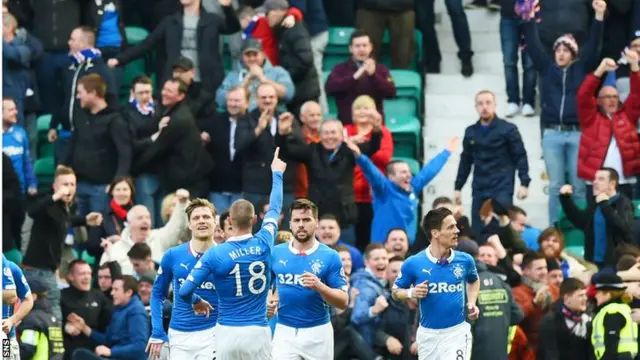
[{"x": 311, "y": 117}]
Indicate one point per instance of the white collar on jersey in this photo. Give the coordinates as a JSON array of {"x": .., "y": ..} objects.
[
  {"x": 316, "y": 245},
  {"x": 195, "y": 253},
  {"x": 433, "y": 259},
  {"x": 240, "y": 237}
]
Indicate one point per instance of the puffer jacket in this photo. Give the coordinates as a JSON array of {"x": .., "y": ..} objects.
[{"x": 598, "y": 128}]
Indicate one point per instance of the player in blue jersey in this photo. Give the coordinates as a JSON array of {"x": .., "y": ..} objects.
[
  {"x": 9, "y": 319},
  {"x": 191, "y": 336},
  {"x": 310, "y": 280},
  {"x": 446, "y": 283},
  {"x": 241, "y": 267}
]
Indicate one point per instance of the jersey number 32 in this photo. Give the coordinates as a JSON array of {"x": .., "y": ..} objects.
[{"x": 256, "y": 271}]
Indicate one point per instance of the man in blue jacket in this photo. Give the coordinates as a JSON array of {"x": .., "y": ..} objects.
[
  {"x": 494, "y": 148},
  {"x": 127, "y": 333},
  {"x": 396, "y": 193}
]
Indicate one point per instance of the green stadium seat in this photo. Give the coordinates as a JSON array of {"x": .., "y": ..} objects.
[
  {"x": 339, "y": 39},
  {"x": 88, "y": 258},
  {"x": 14, "y": 256},
  {"x": 329, "y": 61},
  {"x": 44, "y": 169},
  {"x": 575, "y": 250},
  {"x": 400, "y": 106},
  {"x": 406, "y": 135},
  {"x": 330, "y": 116},
  {"x": 333, "y": 108},
  {"x": 43, "y": 123},
  {"x": 636, "y": 207},
  {"x": 135, "y": 35},
  {"x": 414, "y": 164},
  {"x": 46, "y": 149},
  {"x": 408, "y": 83},
  {"x": 572, "y": 236}
]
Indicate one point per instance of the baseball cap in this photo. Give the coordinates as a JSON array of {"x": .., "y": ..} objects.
[
  {"x": 275, "y": 5},
  {"x": 184, "y": 63},
  {"x": 251, "y": 45}
]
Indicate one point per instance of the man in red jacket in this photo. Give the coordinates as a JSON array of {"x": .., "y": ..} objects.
[{"x": 609, "y": 137}]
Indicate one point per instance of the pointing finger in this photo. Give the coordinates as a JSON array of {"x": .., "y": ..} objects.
[{"x": 276, "y": 154}]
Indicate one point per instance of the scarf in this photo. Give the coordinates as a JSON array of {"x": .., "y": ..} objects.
[
  {"x": 548, "y": 299},
  {"x": 119, "y": 210},
  {"x": 85, "y": 55},
  {"x": 147, "y": 109},
  {"x": 576, "y": 317},
  {"x": 248, "y": 31}
]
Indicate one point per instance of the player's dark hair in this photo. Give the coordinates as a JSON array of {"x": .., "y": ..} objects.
[
  {"x": 433, "y": 220},
  {"x": 198, "y": 203},
  {"x": 531, "y": 256},
  {"x": 570, "y": 285},
  {"x": 75, "y": 263},
  {"x": 441, "y": 200},
  {"x": 305, "y": 205},
  {"x": 139, "y": 251},
  {"x": 372, "y": 247},
  {"x": 129, "y": 283},
  {"x": 223, "y": 219},
  {"x": 395, "y": 229}
]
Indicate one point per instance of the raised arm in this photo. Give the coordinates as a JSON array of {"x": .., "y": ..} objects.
[
  {"x": 466, "y": 162},
  {"x": 270, "y": 222},
  {"x": 534, "y": 46},
  {"x": 432, "y": 169},
  {"x": 591, "y": 49}
]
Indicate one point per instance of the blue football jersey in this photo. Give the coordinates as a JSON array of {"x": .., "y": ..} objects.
[
  {"x": 8, "y": 282},
  {"x": 242, "y": 269},
  {"x": 445, "y": 304},
  {"x": 301, "y": 307},
  {"x": 21, "y": 286},
  {"x": 175, "y": 267}
]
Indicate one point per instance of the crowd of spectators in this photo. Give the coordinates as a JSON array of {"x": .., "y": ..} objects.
[{"x": 89, "y": 242}]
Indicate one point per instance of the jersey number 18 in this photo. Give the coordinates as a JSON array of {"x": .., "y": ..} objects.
[{"x": 256, "y": 270}]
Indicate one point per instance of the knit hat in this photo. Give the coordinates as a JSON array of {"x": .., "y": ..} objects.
[{"x": 569, "y": 41}]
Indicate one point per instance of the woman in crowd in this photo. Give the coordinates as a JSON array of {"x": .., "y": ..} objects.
[{"x": 364, "y": 113}]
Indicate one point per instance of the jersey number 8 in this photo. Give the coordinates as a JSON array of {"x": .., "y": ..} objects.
[{"x": 256, "y": 270}]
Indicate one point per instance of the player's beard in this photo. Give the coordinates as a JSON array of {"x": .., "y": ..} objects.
[{"x": 303, "y": 238}]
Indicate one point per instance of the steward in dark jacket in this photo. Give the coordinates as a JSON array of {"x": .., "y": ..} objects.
[
  {"x": 100, "y": 148},
  {"x": 498, "y": 312},
  {"x": 13, "y": 206},
  {"x": 41, "y": 332},
  {"x": 177, "y": 154},
  {"x": 294, "y": 51},
  {"x": 167, "y": 38},
  {"x": 330, "y": 171}
]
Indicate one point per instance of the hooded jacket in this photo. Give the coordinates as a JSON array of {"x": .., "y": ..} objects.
[
  {"x": 127, "y": 333},
  {"x": 370, "y": 288}
]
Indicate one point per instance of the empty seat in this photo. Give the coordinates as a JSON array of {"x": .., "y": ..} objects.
[
  {"x": 43, "y": 123},
  {"x": 44, "y": 169},
  {"x": 400, "y": 106},
  {"x": 406, "y": 135},
  {"x": 408, "y": 83},
  {"x": 135, "y": 35},
  {"x": 339, "y": 39}
]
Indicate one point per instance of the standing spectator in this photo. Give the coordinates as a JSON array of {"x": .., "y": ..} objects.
[
  {"x": 85, "y": 60},
  {"x": 128, "y": 331},
  {"x": 511, "y": 32},
  {"x": 494, "y": 148},
  {"x": 359, "y": 75},
  {"x": 311, "y": 118},
  {"x": 53, "y": 217},
  {"x": 15, "y": 144},
  {"x": 315, "y": 20},
  {"x": 100, "y": 148},
  {"x": 364, "y": 114},
  {"x": 491, "y": 330},
  {"x": 330, "y": 167},
  {"x": 192, "y": 33},
  {"x": 329, "y": 234},
  {"x": 53, "y": 21},
  {"x": 139, "y": 114},
  {"x": 201, "y": 102},
  {"x": 20, "y": 50},
  {"x": 534, "y": 295},
  {"x": 295, "y": 53},
  {"x": 87, "y": 303},
  {"x": 175, "y": 153},
  {"x": 140, "y": 257},
  {"x": 13, "y": 206},
  {"x": 121, "y": 192},
  {"x": 397, "y": 243},
  {"x": 372, "y": 296},
  {"x": 609, "y": 137},
  {"x": 41, "y": 330},
  {"x": 106, "y": 274},
  {"x": 256, "y": 137},
  {"x": 397, "y": 16},
  {"x": 255, "y": 71},
  {"x": 396, "y": 192},
  {"x": 605, "y": 223},
  {"x": 551, "y": 244},
  {"x": 106, "y": 18},
  {"x": 139, "y": 230},
  {"x": 225, "y": 181},
  {"x": 561, "y": 75}
]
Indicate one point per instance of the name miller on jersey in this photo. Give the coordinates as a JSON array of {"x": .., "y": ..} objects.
[{"x": 252, "y": 250}]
